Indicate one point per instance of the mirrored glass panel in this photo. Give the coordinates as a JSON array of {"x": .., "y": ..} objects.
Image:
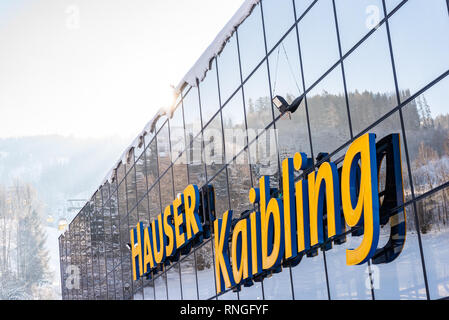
[
  {"x": 251, "y": 41},
  {"x": 278, "y": 286},
  {"x": 160, "y": 285},
  {"x": 285, "y": 69},
  {"x": 263, "y": 157},
  {"x": 118, "y": 282},
  {"x": 229, "y": 69},
  {"x": 426, "y": 121},
  {"x": 433, "y": 217},
  {"x": 163, "y": 149},
  {"x": 253, "y": 292},
  {"x": 210, "y": 102},
  {"x": 213, "y": 146},
  {"x": 230, "y": 295},
  {"x": 301, "y": 6},
  {"x": 115, "y": 227},
  {"x": 239, "y": 177},
  {"x": 420, "y": 49},
  {"x": 318, "y": 39},
  {"x": 177, "y": 137},
  {"x": 166, "y": 186},
  {"x": 174, "y": 283},
  {"x": 151, "y": 165},
  {"x": 371, "y": 93},
  {"x": 402, "y": 278},
  {"x": 309, "y": 279},
  {"x": 154, "y": 202},
  {"x": 192, "y": 118},
  {"x": 220, "y": 185},
  {"x": 195, "y": 158},
  {"x": 148, "y": 289},
  {"x": 347, "y": 282},
  {"x": 293, "y": 134},
  {"x": 259, "y": 113},
  {"x": 205, "y": 271},
  {"x": 234, "y": 126},
  {"x": 180, "y": 174},
  {"x": 356, "y": 19},
  {"x": 328, "y": 115},
  {"x": 278, "y": 16},
  {"x": 188, "y": 278},
  {"x": 390, "y": 125},
  {"x": 392, "y": 4}
]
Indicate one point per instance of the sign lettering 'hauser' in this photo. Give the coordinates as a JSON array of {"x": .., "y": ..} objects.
[{"x": 310, "y": 214}]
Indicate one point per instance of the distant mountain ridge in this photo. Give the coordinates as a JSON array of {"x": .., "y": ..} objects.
[{"x": 59, "y": 167}]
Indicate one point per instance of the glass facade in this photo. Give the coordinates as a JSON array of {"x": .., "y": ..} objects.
[{"x": 362, "y": 66}]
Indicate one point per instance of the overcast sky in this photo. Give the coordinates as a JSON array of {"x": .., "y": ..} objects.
[{"x": 93, "y": 68}]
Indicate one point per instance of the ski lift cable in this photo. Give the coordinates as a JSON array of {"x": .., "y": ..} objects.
[
  {"x": 291, "y": 68},
  {"x": 276, "y": 72}
]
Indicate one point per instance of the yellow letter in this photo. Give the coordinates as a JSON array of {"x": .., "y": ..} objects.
[
  {"x": 168, "y": 229},
  {"x": 256, "y": 253},
  {"x": 147, "y": 250},
  {"x": 193, "y": 223},
  {"x": 364, "y": 150},
  {"x": 158, "y": 230},
  {"x": 223, "y": 271},
  {"x": 136, "y": 251},
  {"x": 324, "y": 183},
  {"x": 239, "y": 249},
  {"x": 302, "y": 216},
  {"x": 288, "y": 180},
  {"x": 272, "y": 223},
  {"x": 179, "y": 221}
]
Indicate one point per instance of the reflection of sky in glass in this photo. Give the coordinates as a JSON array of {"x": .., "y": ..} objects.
[
  {"x": 251, "y": 42},
  {"x": 8, "y": 9},
  {"x": 209, "y": 95},
  {"x": 285, "y": 68},
  {"x": 192, "y": 117},
  {"x": 318, "y": 38},
  {"x": 255, "y": 88},
  {"x": 369, "y": 66},
  {"x": 228, "y": 69},
  {"x": 391, "y": 4},
  {"x": 420, "y": 38},
  {"x": 355, "y": 19},
  {"x": 301, "y": 6},
  {"x": 278, "y": 16}
]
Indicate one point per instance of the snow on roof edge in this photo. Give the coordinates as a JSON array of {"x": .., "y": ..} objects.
[
  {"x": 195, "y": 75},
  {"x": 203, "y": 64}
]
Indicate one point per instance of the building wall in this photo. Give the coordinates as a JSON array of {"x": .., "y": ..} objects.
[{"x": 364, "y": 66}]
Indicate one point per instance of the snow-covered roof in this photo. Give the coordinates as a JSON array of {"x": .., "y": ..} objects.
[
  {"x": 203, "y": 64},
  {"x": 195, "y": 75}
]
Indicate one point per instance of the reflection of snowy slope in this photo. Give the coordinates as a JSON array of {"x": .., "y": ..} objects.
[
  {"x": 436, "y": 254},
  {"x": 401, "y": 279}
]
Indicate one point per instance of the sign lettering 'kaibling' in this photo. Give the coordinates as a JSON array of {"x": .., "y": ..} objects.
[{"x": 310, "y": 212}]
